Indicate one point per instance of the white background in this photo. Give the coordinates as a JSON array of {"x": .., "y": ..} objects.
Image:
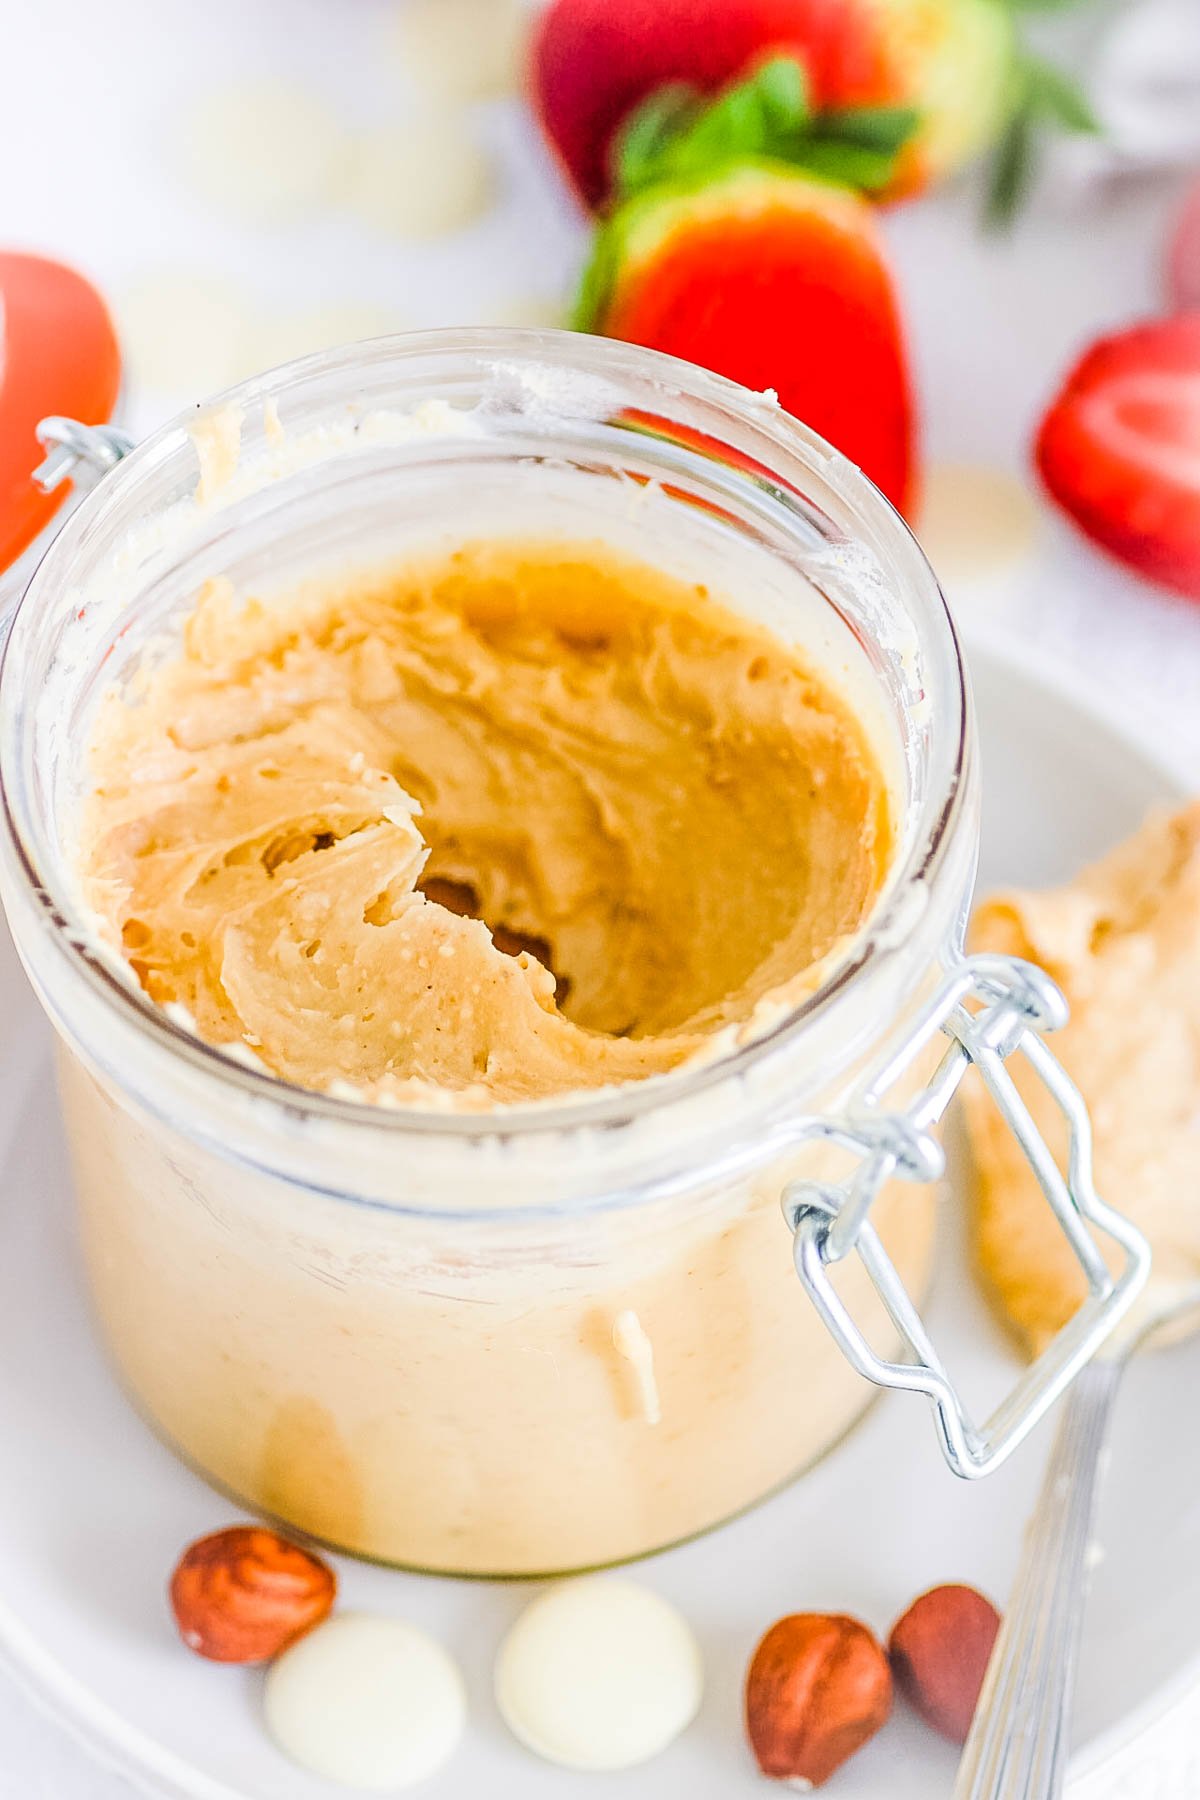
[{"x": 94, "y": 96}]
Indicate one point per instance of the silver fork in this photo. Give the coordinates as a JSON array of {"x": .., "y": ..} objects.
[{"x": 1020, "y": 1737}]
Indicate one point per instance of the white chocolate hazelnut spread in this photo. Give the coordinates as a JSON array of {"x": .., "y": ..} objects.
[
  {"x": 502, "y": 822},
  {"x": 518, "y": 821}
]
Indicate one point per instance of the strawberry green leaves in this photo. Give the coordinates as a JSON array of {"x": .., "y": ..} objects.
[
  {"x": 675, "y": 136},
  {"x": 599, "y": 276},
  {"x": 642, "y": 147},
  {"x": 1043, "y": 99},
  {"x": 883, "y": 128},
  {"x": 857, "y": 145}
]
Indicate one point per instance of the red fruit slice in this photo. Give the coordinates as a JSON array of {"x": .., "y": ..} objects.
[
  {"x": 1183, "y": 256},
  {"x": 777, "y": 281},
  {"x": 1119, "y": 449},
  {"x": 58, "y": 354}
]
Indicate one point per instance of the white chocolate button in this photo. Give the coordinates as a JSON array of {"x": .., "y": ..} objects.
[
  {"x": 185, "y": 333},
  {"x": 287, "y": 335},
  {"x": 975, "y": 522},
  {"x": 424, "y": 178},
  {"x": 266, "y": 151},
  {"x": 599, "y": 1674},
  {"x": 462, "y": 49},
  {"x": 370, "y": 1702},
  {"x": 536, "y": 311}
]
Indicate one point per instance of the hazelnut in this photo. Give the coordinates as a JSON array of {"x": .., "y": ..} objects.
[
  {"x": 819, "y": 1686},
  {"x": 243, "y": 1595},
  {"x": 939, "y": 1653}
]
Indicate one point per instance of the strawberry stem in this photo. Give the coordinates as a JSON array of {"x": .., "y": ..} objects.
[
  {"x": 642, "y": 143},
  {"x": 675, "y": 136},
  {"x": 1044, "y": 99},
  {"x": 883, "y": 128}
]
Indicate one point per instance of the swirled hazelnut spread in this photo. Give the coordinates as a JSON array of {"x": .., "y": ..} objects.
[{"x": 491, "y": 827}]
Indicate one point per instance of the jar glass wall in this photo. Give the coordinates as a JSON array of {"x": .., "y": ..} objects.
[{"x": 556, "y": 1335}]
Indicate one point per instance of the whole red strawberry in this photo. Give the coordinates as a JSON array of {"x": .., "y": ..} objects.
[
  {"x": 945, "y": 65},
  {"x": 776, "y": 280},
  {"x": 1119, "y": 448}
]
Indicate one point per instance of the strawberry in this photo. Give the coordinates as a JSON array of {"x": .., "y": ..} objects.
[
  {"x": 1119, "y": 448},
  {"x": 901, "y": 92},
  {"x": 58, "y": 354},
  {"x": 777, "y": 280}
]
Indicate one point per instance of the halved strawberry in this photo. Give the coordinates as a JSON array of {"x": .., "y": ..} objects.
[
  {"x": 949, "y": 62},
  {"x": 1119, "y": 448},
  {"x": 777, "y": 280}
]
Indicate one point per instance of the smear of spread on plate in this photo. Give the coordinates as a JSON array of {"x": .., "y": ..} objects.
[{"x": 1123, "y": 942}]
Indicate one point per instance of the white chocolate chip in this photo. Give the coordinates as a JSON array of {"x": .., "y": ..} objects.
[
  {"x": 975, "y": 522},
  {"x": 630, "y": 1341},
  {"x": 462, "y": 49},
  {"x": 599, "y": 1674},
  {"x": 424, "y": 178},
  {"x": 534, "y": 312},
  {"x": 287, "y": 335},
  {"x": 185, "y": 332},
  {"x": 368, "y": 1702},
  {"x": 265, "y": 151}
]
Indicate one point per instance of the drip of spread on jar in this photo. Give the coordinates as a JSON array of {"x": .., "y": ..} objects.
[{"x": 489, "y": 828}]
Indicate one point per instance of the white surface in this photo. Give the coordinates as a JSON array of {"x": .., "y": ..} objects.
[
  {"x": 93, "y": 1510},
  {"x": 85, "y": 131},
  {"x": 367, "y": 1701},
  {"x": 601, "y": 1673}
]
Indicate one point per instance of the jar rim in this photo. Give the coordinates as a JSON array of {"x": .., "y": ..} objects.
[{"x": 884, "y": 934}]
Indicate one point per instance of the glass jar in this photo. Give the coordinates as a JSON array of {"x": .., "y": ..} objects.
[{"x": 558, "y": 1335}]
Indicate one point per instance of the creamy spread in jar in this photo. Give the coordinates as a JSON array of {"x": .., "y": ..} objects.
[
  {"x": 516, "y": 742},
  {"x": 511, "y": 821}
]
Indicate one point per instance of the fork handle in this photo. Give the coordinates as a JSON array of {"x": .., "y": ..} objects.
[{"x": 1020, "y": 1737}]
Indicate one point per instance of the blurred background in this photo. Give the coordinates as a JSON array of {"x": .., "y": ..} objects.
[{"x": 247, "y": 182}]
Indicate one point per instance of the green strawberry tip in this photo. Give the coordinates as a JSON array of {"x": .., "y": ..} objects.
[{"x": 675, "y": 134}]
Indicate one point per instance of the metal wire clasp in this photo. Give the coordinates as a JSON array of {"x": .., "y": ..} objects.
[
  {"x": 829, "y": 1220},
  {"x": 76, "y": 450}
]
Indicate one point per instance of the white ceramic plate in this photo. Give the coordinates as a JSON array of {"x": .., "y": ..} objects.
[{"x": 93, "y": 1510}]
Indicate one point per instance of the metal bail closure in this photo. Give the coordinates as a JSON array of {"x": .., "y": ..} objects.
[
  {"x": 829, "y": 1220},
  {"x": 83, "y": 452}
]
